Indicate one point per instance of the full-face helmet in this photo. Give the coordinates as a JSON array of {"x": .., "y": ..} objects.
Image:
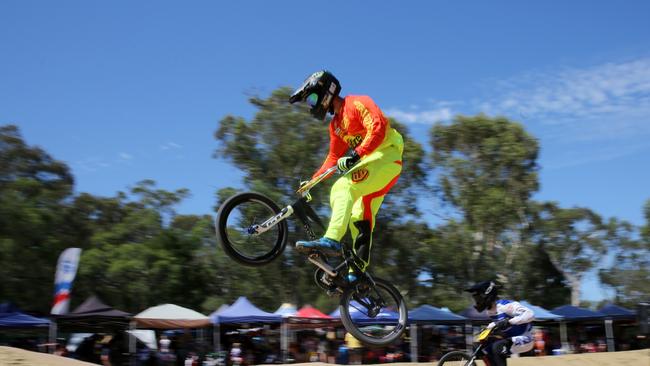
[
  {"x": 484, "y": 294},
  {"x": 318, "y": 90}
]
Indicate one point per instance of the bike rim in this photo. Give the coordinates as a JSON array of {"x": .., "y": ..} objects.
[
  {"x": 379, "y": 315},
  {"x": 458, "y": 360},
  {"x": 238, "y": 229}
]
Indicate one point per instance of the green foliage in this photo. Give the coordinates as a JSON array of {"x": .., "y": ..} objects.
[
  {"x": 488, "y": 170},
  {"x": 138, "y": 252},
  {"x": 629, "y": 273}
]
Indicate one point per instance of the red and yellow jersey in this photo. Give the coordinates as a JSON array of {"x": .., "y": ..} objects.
[{"x": 359, "y": 125}]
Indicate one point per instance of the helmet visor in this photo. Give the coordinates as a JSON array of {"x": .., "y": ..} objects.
[{"x": 312, "y": 99}]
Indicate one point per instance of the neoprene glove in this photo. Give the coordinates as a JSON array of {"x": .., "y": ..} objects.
[
  {"x": 502, "y": 324},
  {"x": 345, "y": 163}
]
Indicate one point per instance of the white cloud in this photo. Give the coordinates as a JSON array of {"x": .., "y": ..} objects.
[
  {"x": 126, "y": 156},
  {"x": 605, "y": 107},
  {"x": 594, "y": 93},
  {"x": 170, "y": 146},
  {"x": 424, "y": 117}
]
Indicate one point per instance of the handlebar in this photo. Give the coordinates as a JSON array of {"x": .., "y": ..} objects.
[{"x": 303, "y": 191}]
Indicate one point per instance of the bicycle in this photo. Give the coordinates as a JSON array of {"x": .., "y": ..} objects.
[
  {"x": 253, "y": 231},
  {"x": 462, "y": 358}
]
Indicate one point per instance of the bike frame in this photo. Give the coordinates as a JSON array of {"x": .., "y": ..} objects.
[{"x": 306, "y": 215}]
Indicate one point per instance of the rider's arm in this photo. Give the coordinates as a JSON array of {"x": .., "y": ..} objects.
[
  {"x": 519, "y": 313},
  {"x": 338, "y": 148},
  {"x": 374, "y": 122}
]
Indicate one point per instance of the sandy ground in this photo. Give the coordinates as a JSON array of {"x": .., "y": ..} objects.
[{"x": 18, "y": 357}]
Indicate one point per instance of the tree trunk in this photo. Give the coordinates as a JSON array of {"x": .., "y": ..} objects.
[{"x": 576, "y": 282}]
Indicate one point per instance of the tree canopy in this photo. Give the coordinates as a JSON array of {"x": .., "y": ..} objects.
[{"x": 138, "y": 251}]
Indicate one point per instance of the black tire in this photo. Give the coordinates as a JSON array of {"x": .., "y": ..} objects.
[
  {"x": 392, "y": 330},
  {"x": 456, "y": 358},
  {"x": 270, "y": 244}
]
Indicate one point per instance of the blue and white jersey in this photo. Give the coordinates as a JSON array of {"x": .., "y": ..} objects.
[{"x": 520, "y": 317}]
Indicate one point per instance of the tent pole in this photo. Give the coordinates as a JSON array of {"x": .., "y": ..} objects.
[
  {"x": 132, "y": 346},
  {"x": 414, "y": 342},
  {"x": 469, "y": 338},
  {"x": 52, "y": 336},
  {"x": 283, "y": 341},
  {"x": 609, "y": 333},
  {"x": 217, "y": 338},
  {"x": 564, "y": 337}
]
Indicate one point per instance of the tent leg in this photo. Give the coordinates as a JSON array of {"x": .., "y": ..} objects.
[
  {"x": 564, "y": 337},
  {"x": 132, "y": 345},
  {"x": 469, "y": 337},
  {"x": 609, "y": 333},
  {"x": 52, "y": 336},
  {"x": 217, "y": 336},
  {"x": 284, "y": 342},
  {"x": 414, "y": 342}
]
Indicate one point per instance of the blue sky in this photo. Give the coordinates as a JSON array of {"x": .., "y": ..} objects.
[{"x": 124, "y": 91}]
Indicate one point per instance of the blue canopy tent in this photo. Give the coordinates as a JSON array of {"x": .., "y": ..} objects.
[
  {"x": 575, "y": 314},
  {"x": 618, "y": 312},
  {"x": 615, "y": 313},
  {"x": 473, "y": 315},
  {"x": 541, "y": 314},
  {"x": 427, "y": 314},
  {"x": 12, "y": 317},
  {"x": 241, "y": 311},
  {"x": 433, "y": 315},
  {"x": 384, "y": 317}
]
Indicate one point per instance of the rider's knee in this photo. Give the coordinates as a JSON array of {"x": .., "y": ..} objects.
[{"x": 502, "y": 347}]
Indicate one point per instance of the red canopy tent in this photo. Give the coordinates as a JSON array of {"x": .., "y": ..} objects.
[
  {"x": 310, "y": 312},
  {"x": 311, "y": 317}
]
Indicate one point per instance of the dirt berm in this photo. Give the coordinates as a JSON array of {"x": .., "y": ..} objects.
[{"x": 19, "y": 357}]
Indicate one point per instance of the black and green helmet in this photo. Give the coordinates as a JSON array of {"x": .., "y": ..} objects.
[{"x": 318, "y": 91}]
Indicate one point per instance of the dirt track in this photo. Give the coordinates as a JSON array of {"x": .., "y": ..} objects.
[{"x": 19, "y": 357}]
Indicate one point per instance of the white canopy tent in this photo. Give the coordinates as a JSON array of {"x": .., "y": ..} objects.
[{"x": 170, "y": 316}]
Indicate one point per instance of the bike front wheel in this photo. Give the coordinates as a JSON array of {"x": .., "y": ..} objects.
[
  {"x": 236, "y": 224},
  {"x": 456, "y": 358},
  {"x": 375, "y": 315}
]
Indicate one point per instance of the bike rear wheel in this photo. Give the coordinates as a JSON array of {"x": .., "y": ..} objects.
[
  {"x": 375, "y": 315},
  {"x": 456, "y": 358},
  {"x": 235, "y": 223}
]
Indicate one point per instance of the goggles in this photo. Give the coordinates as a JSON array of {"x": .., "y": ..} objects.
[{"x": 312, "y": 99}]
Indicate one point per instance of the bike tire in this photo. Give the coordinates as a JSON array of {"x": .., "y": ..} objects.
[
  {"x": 278, "y": 239},
  {"x": 454, "y": 358},
  {"x": 354, "y": 328}
]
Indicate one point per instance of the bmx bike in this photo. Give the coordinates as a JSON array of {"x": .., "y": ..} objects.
[
  {"x": 252, "y": 229},
  {"x": 461, "y": 358}
]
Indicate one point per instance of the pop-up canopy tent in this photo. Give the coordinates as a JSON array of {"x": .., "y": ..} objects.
[
  {"x": 574, "y": 313},
  {"x": 93, "y": 314},
  {"x": 473, "y": 315},
  {"x": 286, "y": 310},
  {"x": 311, "y": 317},
  {"x": 385, "y": 316},
  {"x": 433, "y": 315},
  {"x": 617, "y": 312},
  {"x": 427, "y": 314},
  {"x": 12, "y": 317},
  {"x": 243, "y": 311},
  {"x": 541, "y": 314},
  {"x": 170, "y": 316}
]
